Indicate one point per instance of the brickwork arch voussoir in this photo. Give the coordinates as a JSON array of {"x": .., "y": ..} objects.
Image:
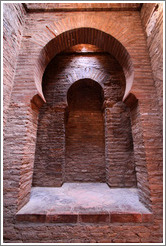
[{"x": 82, "y": 35}]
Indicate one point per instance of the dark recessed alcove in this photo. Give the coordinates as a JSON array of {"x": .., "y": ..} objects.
[{"x": 85, "y": 141}]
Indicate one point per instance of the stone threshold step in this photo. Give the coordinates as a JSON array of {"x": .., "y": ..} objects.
[
  {"x": 84, "y": 203},
  {"x": 86, "y": 218}
]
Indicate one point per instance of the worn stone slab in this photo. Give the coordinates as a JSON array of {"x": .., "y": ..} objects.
[{"x": 84, "y": 203}]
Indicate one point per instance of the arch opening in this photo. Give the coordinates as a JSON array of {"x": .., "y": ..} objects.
[
  {"x": 84, "y": 35},
  {"x": 85, "y": 141},
  {"x": 103, "y": 87},
  {"x": 85, "y": 94},
  {"x": 115, "y": 48}
]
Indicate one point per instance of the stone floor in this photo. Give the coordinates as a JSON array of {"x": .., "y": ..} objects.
[{"x": 85, "y": 199}]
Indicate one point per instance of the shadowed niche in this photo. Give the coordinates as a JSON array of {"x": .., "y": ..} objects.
[{"x": 85, "y": 158}]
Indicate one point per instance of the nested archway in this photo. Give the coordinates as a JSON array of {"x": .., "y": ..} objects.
[
  {"x": 80, "y": 35},
  {"x": 82, "y": 156},
  {"x": 127, "y": 180},
  {"x": 84, "y": 35}
]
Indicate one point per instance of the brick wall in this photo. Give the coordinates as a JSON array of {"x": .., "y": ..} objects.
[
  {"x": 119, "y": 147},
  {"x": 140, "y": 155},
  {"x": 21, "y": 128},
  {"x": 13, "y": 21},
  {"x": 152, "y": 20}
]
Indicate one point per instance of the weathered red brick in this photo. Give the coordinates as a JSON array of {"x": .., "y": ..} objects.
[
  {"x": 126, "y": 218},
  {"x": 94, "y": 218}
]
